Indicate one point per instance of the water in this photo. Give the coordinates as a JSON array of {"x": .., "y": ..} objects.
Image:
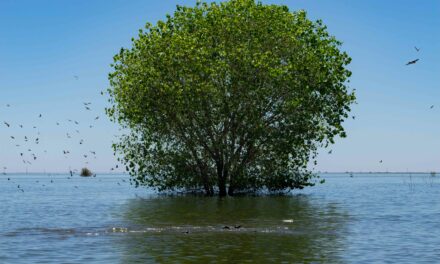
[{"x": 370, "y": 218}]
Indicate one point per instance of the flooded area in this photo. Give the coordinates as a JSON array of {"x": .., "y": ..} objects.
[{"x": 366, "y": 218}]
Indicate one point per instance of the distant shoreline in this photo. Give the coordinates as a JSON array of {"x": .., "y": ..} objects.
[
  {"x": 60, "y": 173},
  {"x": 378, "y": 172},
  {"x": 320, "y": 172}
]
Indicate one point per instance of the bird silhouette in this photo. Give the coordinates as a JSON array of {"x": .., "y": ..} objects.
[
  {"x": 412, "y": 62},
  {"x": 6, "y": 123},
  {"x": 432, "y": 106},
  {"x": 417, "y": 49}
]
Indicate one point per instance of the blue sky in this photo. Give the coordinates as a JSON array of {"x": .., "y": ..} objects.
[{"x": 45, "y": 44}]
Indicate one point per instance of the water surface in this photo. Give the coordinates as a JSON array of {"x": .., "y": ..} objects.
[{"x": 367, "y": 218}]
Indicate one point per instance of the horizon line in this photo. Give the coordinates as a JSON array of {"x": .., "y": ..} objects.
[{"x": 319, "y": 172}]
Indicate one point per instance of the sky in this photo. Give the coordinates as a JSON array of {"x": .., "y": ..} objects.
[{"x": 56, "y": 55}]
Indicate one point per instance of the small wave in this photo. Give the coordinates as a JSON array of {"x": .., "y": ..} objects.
[
  {"x": 97, "y": 231},
  {"x": 41, "y": 230}
]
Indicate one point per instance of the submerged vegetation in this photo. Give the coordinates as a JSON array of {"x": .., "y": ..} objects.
[{"x": 229, "y": 97}]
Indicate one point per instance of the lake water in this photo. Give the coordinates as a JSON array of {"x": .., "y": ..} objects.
[{"x": 368, "y": 218}]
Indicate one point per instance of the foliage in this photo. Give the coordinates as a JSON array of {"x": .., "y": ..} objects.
[
  {"x": 236, "y": 95},
  {"x": 85, "y": 172}
]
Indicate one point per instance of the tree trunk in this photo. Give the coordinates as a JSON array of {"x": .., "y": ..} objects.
[
  {"x": 209, "y": 191},
  {"x": 231, "y": 190},
  {"x": 221, "y": 180}
]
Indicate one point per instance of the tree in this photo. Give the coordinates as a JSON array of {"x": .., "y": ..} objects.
[
  {"x": 231, "y": 96},
  {"x": 85, "y": 172}
]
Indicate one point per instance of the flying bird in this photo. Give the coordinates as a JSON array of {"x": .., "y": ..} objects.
[
  {"x": 412, "y": 62},
  {"x": 432, "y": 106},
  {"x": 380, "y": 161},
  {"x": 417, "y": 49},
  {"x": 7, "y": 124}
]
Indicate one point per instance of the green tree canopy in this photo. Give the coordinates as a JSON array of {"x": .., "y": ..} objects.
[{"x": 231, "y": 96}]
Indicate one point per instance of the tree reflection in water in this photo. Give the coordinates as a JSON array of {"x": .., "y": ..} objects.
[{"x": 192, "y": 229}]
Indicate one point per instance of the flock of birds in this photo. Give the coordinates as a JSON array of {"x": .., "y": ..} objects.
[
  {"x": 32, "y": 157},
  {"x": 28, "y": 155},
  {"x": 28, "y": 140}
]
